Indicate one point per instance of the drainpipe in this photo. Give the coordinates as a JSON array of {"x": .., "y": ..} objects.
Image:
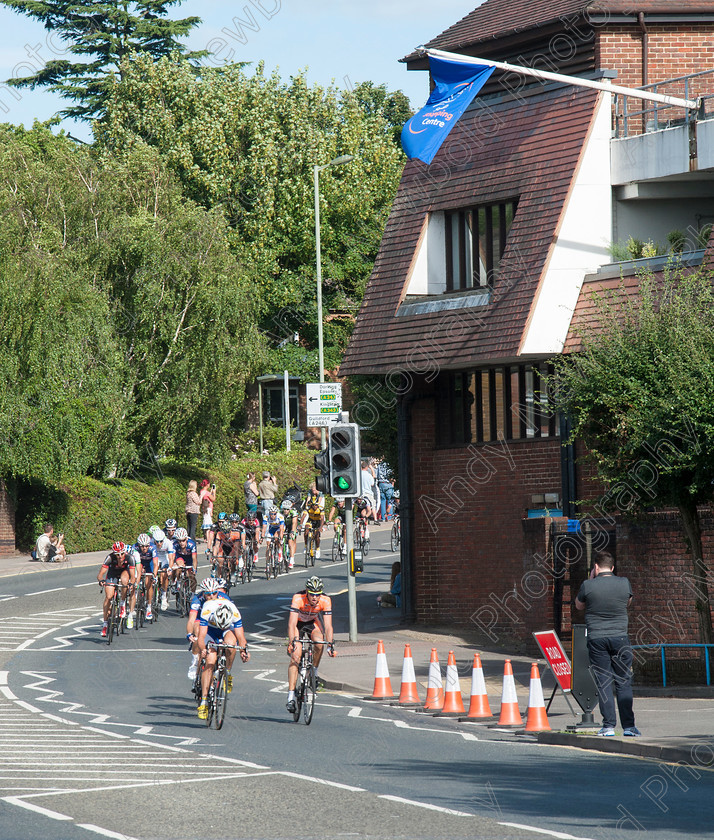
[
  {"x": 406, "y": 505},
  {"x": 645, "y": 47},
  {"x": 567, "y": 469}
]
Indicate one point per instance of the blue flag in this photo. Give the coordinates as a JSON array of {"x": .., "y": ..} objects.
[{"x": 456, "y": 85}]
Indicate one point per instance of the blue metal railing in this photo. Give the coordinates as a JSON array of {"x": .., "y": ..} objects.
[{"x": 664, "y": 646}]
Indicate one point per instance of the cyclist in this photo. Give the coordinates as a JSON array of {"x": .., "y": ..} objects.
[
  {"x": 118, "y": 569},
  {"x": 220, "y": 622},
  {"x": 291, "y": 518},
  {"x": 276, "y": 529},
  {"x": 185, "y": 555},
  {"x": 170, "y": 528},
  {"x": 337, "y": 516},
  {"x": 144, "y": 551},
  {"x": 314, "y": 513},
  {"x": 165, "y": 554},
  {"x": 209, "y": 589},
  {"x": 364, "y": 511},
  {"x": 237, "y": 538},
  {"x": 222, "y": 549},
  {"x": 251, "y": 536},
  {"x": 310, "y": 617}
]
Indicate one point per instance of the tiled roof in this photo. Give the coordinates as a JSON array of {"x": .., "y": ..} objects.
[
  {"x": 499, "y": 18},
  {"x": 527, "y": 149}
]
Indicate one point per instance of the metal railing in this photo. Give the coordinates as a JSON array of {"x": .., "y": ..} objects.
[
  {"x": 655, "y": 117},
  {"x": 664, "y": 646}
]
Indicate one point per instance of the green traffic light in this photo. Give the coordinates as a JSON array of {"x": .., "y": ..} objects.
[{"x": 343, "y": 483}]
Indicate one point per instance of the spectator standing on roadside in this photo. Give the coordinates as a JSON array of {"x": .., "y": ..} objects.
[
  {"x": 268, "y": 490},
  {"x": 605, "y": 597},
  {"x": 368, "y": 487},
  {"x": 193, "y": 508},
  {"x": 385, "y": 482},
  {"x": 50, "y": 548},
  {"x": 250, "y": 488},
  {"x": 207, "y": 498}
]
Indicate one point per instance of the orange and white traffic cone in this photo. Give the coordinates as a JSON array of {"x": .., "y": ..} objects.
[
  {"x": 453, "y": 704},
  {"x": 510, "y": 716},
  {"x": 478, "y": 706},
  {"x": 408, "y": 692},
  {"x": 382, "y": 684},
  {"x": 537, "y": 719},
  {"x": 435, "y": 688}
]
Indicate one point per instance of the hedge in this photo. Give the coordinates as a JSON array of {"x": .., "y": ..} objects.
[{"x": 92, "y": 514}]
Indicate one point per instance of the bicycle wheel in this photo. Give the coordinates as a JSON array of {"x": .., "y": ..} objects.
[
  {"x": 269, "y": 561},
  {"x": 298, "y": 698},
  {"x": 112, "y": 620},
  {"x": 394, "y": 537},
  {"x": 308, "y": 548},
  {"x": 248, "y": 565},
  {"x": 210, "y": 703},
  {"x": 140, "y": 609},
  {"x": 309, "y": 690},
  {"x": 335, "y": 549},
  {"x": 220, "y": 696}
]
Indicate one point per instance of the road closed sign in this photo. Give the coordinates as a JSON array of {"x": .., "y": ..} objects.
[{"x": 555, "y": 656}]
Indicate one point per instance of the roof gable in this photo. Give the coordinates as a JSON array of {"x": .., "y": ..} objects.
[{"x": 527, "y": 148}]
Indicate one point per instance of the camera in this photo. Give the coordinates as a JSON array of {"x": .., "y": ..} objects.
[{"x": 213, "y": 488}]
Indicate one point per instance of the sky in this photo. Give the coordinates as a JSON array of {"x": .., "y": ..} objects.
[{"x": 348, "y": 41}]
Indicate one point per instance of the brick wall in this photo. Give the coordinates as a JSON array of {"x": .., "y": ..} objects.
[
  {"x": 488, "y": 566},
  {"x": 7, "y": 522}
]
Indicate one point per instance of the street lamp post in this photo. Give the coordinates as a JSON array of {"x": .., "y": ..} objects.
[{"x": 338, "y": 161}]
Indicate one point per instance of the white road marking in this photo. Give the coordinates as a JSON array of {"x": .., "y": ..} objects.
[
  {"x": 427, "y": 805},
  {"x": 558, "y": 834},
  {"x": 53, "y": 815},
  {"x": 104, "y": 832},
  {"x": 45, "y": 591}
]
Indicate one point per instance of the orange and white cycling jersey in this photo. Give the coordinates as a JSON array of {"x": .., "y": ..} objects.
[{"x": 307, "y": 611}]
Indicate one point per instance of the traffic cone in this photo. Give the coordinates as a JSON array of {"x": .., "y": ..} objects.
[
  {"x": 382, "y": 684},
  {"x": 453, "y": 704},
  {"x": 435, "y": 688},
  {"x": 510, "y": 716},
  {"x": 478, "y": 707},
  {"x": 537, "y": 720},
  {"x": 408, "y": 692}
]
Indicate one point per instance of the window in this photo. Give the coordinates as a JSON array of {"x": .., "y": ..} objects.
[
  {"x": 475, "y": 239},
  {"x": 275, "y": 406},
  {"x": 488, "y": 404}
]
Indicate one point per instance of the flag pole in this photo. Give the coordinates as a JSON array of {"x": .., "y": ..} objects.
[{"x": 689, "y": 104}]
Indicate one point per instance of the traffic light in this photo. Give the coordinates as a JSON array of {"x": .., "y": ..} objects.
[
  {"x": 344, "y": 467},
  {"x": 322, "y": 463}
]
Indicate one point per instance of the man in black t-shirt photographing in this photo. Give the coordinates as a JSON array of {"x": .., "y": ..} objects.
[{"x": 606, "y": 597}]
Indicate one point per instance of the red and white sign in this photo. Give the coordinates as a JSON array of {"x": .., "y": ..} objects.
[{"x": 555, "y": 656}]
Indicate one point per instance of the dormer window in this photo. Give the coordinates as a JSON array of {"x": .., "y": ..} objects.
[{"x": 475, "y": 239}]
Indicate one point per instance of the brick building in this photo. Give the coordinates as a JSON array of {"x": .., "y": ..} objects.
[
  {"x": 7, "y": 522},
  {"x": 488, "y": 259}
]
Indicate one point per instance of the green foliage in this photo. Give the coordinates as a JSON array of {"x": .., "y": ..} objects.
[
  {"x": 246, "y": 146},
  {"x": 129, "y": 326},
  {"x": 375, "y": 409},
  {"x": 92, "y": 514},
  {"x": 100, "y": 36},
  {"x": 703, "y": 235},
  {"x": 677, "y": 240}
]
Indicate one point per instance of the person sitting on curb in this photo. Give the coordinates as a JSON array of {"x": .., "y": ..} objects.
[
  {"x": 393, "y": 598},
  {"x": 50, "y": 548}
]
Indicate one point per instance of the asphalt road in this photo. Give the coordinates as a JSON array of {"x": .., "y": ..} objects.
[{"x": 105, "y": 741}]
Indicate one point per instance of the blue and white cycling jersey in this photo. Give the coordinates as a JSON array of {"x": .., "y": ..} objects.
[
  {"x": 146, "y": 555},
  {"x": 274, "y": 524},
  {"x": 185, "y": 553}
]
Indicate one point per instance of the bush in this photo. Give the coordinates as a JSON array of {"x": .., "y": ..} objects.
[{"x": 92, "y": 514}]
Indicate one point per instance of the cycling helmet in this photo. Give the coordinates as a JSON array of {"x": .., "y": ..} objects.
[
  {"x": 222, "y": 515},
  {"x": 272, "y": 511},
  {"x": 181, "y": 534},
  {"x": 339, "y": 499},
  {"x": 210, "y": 585},
  {"x": 225, "y": 526},
  {"x": 223, "y": 617},
  {"x": 222, "y": 583},
  {"x": 119, "y": 547},
  {"x": 153, "y": 529},
  {"x": 170, "y": 524},
  {"x": 314, "y": 585},
  {"x": 159, "y": 536},
  {"x": 143, "y": 539},
  {"x": 286, "y": 504},
  {"x": 234, "y": 518}
]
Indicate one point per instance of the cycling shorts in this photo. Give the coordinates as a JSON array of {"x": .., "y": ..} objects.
[{"x": 305, "y": 628}]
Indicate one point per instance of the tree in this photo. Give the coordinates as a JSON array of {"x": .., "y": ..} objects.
[
  {"x": 245, "y": 145},
  {"x": 639, "y": 396},
  {"x": 128, "y": 323},
  {"x": 101, "y": 35}
]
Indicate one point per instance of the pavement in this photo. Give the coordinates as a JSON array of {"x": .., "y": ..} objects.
[{"x": 677, "y": 723}]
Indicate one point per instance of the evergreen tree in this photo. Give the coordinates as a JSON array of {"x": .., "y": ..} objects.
[{"x": 100, "y": 35}]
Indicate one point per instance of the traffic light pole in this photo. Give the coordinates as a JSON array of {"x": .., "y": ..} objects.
[{"x": 351, "y": 581}]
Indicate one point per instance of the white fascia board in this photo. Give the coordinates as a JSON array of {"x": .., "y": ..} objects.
[{"x": 581, "y": 245}]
